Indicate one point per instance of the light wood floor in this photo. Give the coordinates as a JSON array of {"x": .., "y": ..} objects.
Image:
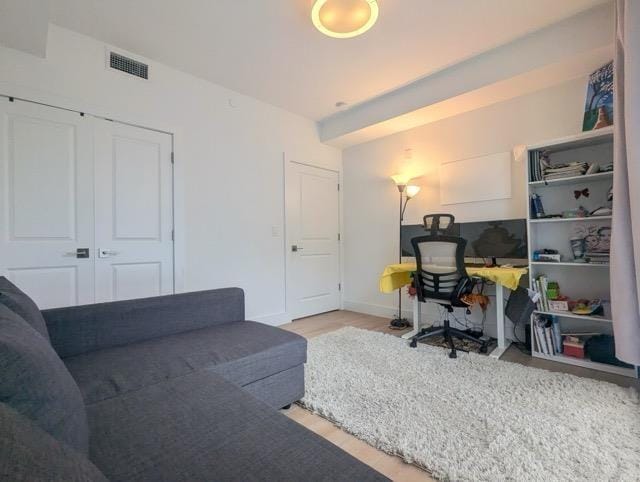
[{"x": 394, "y": 467}]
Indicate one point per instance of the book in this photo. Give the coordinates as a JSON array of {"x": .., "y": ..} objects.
[
  {"x": 598, "y": 109},
  {"x": 547, "y": 335},
  {"x": 557, "y": 337},
  {"x": 540, "y": 336},
  {"x": 537, "y": 210}
]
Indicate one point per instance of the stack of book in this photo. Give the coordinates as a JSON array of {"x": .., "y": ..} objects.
[
  {"x": 546, "y": 332},
  {"x": 561, "y": 171},
  {"x": 597, "y": 257}
]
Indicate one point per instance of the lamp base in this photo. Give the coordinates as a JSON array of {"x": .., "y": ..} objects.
[{"x": 399, "y": 324}]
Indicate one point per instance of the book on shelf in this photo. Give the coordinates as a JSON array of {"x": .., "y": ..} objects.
[
  {"x": 562, "y": 171},
  {"x": 597, "y": 258},
  {"x": 546, "y": 338},
  {"x": 537, "y": 210},
  {"x": 557, "y": 336},
  {"x": 541, "y": 342},
  {"x": 541, "y": 168},
  {"x": 541, "y": 285},
  {"x": 547, "y": 334}
]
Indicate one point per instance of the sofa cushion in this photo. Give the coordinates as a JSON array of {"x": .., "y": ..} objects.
[
  {"x": 241, "y": 351},
  {"x": 36, "y": 383},
  {"x": 201, "y": 427},
  {"x": 28, "y": 453},
  {"x": 15, "y": 299}
]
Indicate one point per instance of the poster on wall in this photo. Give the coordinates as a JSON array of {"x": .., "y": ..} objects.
[{"x": 598, "y": 108}]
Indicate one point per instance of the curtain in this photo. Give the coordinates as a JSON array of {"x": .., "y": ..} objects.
[{"x": 625, "y": 240}]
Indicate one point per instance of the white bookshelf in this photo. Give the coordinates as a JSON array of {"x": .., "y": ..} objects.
[{"x": 576, "y": 279}]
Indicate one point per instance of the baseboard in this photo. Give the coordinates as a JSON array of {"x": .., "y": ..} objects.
[
  {"x": 274, "y": 319},
  {"x": 377, "y": 310}
]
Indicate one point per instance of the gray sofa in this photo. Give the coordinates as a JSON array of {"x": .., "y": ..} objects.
[{"x": 172, "y": 388}]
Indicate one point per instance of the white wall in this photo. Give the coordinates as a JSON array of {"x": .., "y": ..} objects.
[
  {"x": 371, "y": 198},
  {"x": 229, "y": 158}
]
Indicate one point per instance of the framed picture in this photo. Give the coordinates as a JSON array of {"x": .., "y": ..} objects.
[{"x": 598, "y": 108}]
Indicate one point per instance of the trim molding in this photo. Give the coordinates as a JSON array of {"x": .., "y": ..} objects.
[{"x": 376, "y": 310}]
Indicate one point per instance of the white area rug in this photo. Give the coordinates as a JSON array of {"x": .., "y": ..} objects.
[{"x": 474, "y": 417}]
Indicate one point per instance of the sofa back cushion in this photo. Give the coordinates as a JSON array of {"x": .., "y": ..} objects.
[
  {"x": 29, "y": 453},
  {"x": 81, "y": 329},
  {"x": 15, "y": 299},
  {"x": 36, "y": 384}
]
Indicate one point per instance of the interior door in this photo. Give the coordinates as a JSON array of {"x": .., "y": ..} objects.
[
  {"x": 134, "y": 212},
  {"x": 313, "y": 227},
  {"x": 46, "y": 203}
]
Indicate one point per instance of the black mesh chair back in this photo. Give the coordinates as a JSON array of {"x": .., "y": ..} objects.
[
  {"x": 441, "y": 272},
  {"x": 439, "y": 224}
]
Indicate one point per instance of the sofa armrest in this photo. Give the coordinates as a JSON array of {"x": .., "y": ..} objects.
[{"x": 80, "y": 329}]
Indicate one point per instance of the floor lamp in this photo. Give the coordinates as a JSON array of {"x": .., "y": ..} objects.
[{"x": 407, "y": 192}]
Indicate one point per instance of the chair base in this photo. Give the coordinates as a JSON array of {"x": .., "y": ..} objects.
[{"x": 449, "y": 334}]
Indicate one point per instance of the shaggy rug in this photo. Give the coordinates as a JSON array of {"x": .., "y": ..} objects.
[{"x": 474, "y": 417}]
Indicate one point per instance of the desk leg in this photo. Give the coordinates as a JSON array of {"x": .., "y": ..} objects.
[
  {"x": 503, "y": 343},
  {"x": 417, "y": 311}
]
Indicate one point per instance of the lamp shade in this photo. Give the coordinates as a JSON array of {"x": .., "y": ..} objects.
[
  {"x": 401, "y": 179},
  {"x": 412, "y": 191}
]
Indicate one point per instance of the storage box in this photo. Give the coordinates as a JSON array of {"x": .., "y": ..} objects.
[{"x": 572, "y": 348}]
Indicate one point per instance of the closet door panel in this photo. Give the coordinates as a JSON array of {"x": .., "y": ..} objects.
[
  {"x": 134, "y": 212},
  {"x": 46, "y": 203}
]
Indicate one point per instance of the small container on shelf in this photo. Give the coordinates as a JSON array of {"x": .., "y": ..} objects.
[{"x": 573, "y": 346}]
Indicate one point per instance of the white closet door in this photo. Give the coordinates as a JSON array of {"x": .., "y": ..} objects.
[
  {"x": 46, "y": 202},
  {"x": 134, "y": 222}
]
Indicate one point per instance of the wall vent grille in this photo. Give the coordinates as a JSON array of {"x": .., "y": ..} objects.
[{"x": 128, "y": 66}]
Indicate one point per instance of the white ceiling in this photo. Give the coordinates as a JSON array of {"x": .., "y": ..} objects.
[{"x": 269, "y": 49}]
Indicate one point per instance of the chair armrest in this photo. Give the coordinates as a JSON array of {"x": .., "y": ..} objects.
[{"x": 80, "y": 329}]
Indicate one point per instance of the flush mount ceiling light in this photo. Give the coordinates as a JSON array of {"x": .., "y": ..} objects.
[{"x": 344, "y": 18}]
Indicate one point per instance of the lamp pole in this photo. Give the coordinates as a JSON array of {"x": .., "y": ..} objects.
[{"x": 399, "y": 322}]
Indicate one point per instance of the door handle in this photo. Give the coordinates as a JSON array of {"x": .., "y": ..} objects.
[
  {"x": 78, "y": 253},
  {"x": 295, "y": 248},
  {"x": 106, "y": 253}
]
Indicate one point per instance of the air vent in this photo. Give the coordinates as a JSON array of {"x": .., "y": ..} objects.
[{"x": 128, "y": 66}]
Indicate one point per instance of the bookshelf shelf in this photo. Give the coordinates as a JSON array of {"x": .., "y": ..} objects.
[
  {"x": 589, "y": 192},
  {"x": 568, "y": 314},
  {"x": 583, "y": 362},
  {"x": 568, "y": 220},
  {"x": 567, "y": 181},
  {"x": 551, "y": 263}
]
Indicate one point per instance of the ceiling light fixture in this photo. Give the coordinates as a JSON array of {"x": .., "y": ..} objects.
[{"x": 344, "y": 18}]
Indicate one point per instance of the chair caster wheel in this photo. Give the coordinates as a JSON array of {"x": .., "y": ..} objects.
[
  {"x": 484, "y": 349},
  {"x": 413, "y": 344},
  {"x": 453, "y": 355}
]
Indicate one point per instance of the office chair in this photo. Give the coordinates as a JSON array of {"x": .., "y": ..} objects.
[
  {"x": 441, "y": 277},
  {"x": 439, "y": 224}
]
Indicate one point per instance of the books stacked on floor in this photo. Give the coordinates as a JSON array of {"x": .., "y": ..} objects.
[
  {"x": 547, "y": 334},
  {"x": 596, "y": 257},
  {"x": 560, "y": 171}
]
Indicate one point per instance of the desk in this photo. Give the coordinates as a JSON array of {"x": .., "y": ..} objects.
[{"x": 395, "y": 276}]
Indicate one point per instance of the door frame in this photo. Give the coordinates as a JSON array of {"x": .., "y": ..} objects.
[
  {"x": 288, "y": 165},
  {"x": 177, "y": 179}
]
